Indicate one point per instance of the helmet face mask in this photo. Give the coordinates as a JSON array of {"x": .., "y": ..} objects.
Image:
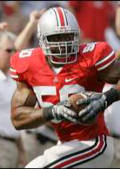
[{"x": 59, "y": 43}]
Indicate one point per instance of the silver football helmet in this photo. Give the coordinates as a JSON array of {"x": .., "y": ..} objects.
[{"x": 59, "y": 21}]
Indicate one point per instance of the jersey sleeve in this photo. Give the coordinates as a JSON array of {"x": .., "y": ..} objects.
[
  {"x": 14, "y": 75},
  {"x": 17, "y": 67},
  {"x": 104, "y": 56}
]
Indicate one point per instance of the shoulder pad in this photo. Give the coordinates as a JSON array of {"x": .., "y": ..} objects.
[{"x": 20, "y": 61}]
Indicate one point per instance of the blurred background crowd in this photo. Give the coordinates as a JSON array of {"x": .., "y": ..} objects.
[{"x": 18, "y": 25}]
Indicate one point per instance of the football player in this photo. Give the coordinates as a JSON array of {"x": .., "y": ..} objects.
[{"x": 51, "y": 73}]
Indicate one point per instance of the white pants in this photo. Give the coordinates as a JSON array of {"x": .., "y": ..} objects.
[{"x": 83, "y": 154}]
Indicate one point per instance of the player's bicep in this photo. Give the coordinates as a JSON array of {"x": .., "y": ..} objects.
[
  {"x": 23, "y": 96},
  {"x": 112, "y": 73}
]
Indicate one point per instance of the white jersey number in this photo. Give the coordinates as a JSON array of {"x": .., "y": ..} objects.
[
  {"x": 51, "y": 90},
  {"x": 90, "y": 47},
  {"x": 25, "y": 53}
]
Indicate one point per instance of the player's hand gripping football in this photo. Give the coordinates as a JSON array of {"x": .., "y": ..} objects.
[
  {"x": 61, "y": 111},
  {"x": 82, "y": 108},
  {"x": 94, "y": 104}
]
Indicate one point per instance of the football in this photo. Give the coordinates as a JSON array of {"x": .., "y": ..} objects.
[{"x": 73, "y": 99}]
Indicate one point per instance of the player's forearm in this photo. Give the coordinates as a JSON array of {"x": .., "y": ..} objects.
[
  {"x": 28, "y": 118},
  {"x": 113, "y": 94},
  {"x": 24, "y": 37}
]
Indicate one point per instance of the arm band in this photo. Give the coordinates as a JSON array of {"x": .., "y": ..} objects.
[
  {"x": 112, "y": 95},
  {"x": 47, "y": 113}
]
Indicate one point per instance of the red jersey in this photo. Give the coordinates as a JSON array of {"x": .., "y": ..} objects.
[{"x": 30, "y": 66}]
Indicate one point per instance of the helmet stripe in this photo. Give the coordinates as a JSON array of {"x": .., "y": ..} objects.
[
  {"x": 65, "y": 17},
  {"x": 56, "y": 16},
  {"x": 61, "y": 16}
]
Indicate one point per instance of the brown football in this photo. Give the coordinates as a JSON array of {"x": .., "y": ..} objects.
[{"x": 73, "y": 99}]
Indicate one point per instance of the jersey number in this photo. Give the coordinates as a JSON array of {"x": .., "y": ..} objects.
[
  {"x": 89, "y": 47},
  {"x": 25, "y": 53},
  {"x": 64, "y": 92}
]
